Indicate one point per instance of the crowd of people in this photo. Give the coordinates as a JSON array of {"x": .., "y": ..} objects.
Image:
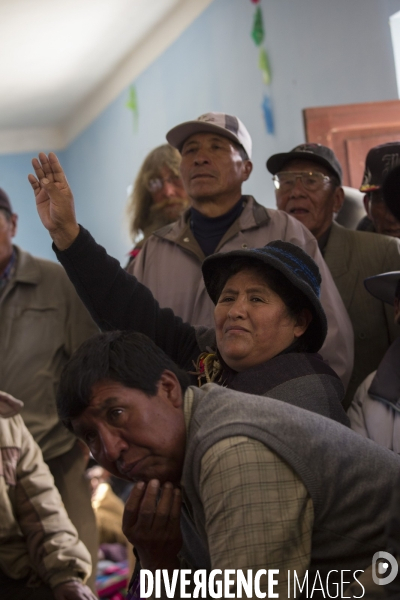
[{"x": 241, "y": 372}]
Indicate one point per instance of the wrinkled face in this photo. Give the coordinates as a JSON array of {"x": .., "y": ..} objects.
[
  {"x": 314, "y": 209},
  {"x": 252, "y": 322},
  {"x": 134, "y": 436},
  {"x": 212, "y": 166},
  {"x": 383, "y": 220},
  {"x": 171, "y": 198},
  {"x": 8, "y": 228}
]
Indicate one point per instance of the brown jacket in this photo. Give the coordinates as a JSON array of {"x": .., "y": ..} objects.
[
  {"x": 42, "y": 322},
  {"x": 37, "y": 539},
  {"x": 169, "y": 264}
]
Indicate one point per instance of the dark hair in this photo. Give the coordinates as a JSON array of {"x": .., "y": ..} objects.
[
  {"x": 375, "y": 196},
  {"x": 294, "y": 300},
  {"x": 126, "y": 357}
]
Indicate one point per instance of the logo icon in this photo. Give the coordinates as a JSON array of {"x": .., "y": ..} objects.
[{"x": 384, "y": 568}]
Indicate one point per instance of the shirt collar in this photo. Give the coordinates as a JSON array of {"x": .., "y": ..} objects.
[
  {"x": 323, "y": 240},
  {"x": 7, "y": 273}
]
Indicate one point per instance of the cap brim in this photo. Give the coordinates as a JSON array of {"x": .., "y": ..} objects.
[
  {"x": 179, "y": 134},
  {"x": 383, "y": 286},
  {"x": 276, "y": 162}
]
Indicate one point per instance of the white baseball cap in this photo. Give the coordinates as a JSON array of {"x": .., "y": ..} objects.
[{"x": 214, "y": 122}]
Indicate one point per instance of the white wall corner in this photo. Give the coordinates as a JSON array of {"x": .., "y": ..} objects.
[
  {"x": 32, "y": 139},
  {"x": 147, "y": 51}
]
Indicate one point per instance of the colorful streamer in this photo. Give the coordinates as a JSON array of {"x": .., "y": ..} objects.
[
  {"x": 258, "y": 28},
  {"x": 132, "y": 104},
  {"x": 258, "y": 35},
  {"x": 268, "y": 114},
  {"x": 264, "y": 65}
]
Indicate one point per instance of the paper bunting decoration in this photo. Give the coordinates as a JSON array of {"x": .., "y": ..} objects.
[
  {"x": 132, "y": 104},
  {"x": 258, "y": 28},
  {"x": 263, "y": 64},
  {"x": 258, "y": 35},
  {"x": 268, "y": 114}
]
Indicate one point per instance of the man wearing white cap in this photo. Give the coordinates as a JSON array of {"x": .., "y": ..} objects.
[{"x": 216, "y": 160}]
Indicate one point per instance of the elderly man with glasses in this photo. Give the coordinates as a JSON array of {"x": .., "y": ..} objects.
[{"x": 308, "y": 187}]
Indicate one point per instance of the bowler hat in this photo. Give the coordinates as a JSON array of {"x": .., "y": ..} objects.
[
  {"x": 383, "y": 286},
  {"x": 290, "y": 260}
]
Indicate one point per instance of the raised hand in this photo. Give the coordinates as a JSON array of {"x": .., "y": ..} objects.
[
  {"x": 151, "y": 522},
  {"x": 54, "y": 200}
]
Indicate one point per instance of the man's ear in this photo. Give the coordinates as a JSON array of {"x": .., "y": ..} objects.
[
  {"x": 338, "y": 199},
  {"x": 247, "y": 169},
  {"x": 366, "y": 204},
  {"x": 170, "y": 388},
  {"x": 13, "y": 223}
]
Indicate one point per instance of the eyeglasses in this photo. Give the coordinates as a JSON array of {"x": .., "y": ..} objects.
[
  {"x": 286, "y": 180},
  {"x": 155, "y": 184}
]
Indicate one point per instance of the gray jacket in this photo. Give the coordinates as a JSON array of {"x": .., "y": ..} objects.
[{"x": 169, "y": 264}]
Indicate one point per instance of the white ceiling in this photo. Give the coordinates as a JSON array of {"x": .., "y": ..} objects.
[{"x": 63, "y": 61}]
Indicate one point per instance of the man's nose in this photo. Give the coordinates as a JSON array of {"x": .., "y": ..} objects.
[
  {"x": 298, "y": 188},
  {"x": 169, "y": 189},
  {"x": 201, "y": 157},
  {"x": 112, "y": 445}
]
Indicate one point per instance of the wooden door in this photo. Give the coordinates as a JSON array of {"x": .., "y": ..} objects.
[{"x": 351, "y": 130}]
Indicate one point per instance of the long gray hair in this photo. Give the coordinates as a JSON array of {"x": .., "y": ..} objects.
[{"x": 140, "y": 201}]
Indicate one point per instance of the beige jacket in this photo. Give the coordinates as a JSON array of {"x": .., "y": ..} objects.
[
  {"x": 351, "y": 257},
  {"x": 42, "y": 321},
  {"x": 37, "y": 539},
  {"x": 170, "y": 265}
]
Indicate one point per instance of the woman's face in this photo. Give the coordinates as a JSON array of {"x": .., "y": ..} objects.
[{"x": 252, "y": 322}]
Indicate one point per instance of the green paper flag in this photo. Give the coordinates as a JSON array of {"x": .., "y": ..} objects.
[
  {"x": 263, "y": 64},
  {"x": 132, "y": 104},
  {"x": 258, "y": 28}
]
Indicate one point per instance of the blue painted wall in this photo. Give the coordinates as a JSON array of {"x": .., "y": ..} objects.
[{"x": 321, "y": 53}]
